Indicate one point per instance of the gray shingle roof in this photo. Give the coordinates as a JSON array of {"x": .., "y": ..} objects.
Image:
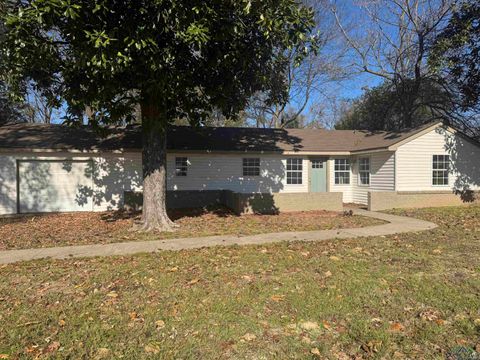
[{"x": 59, "y": 137}]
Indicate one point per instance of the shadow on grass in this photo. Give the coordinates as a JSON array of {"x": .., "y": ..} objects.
[{"x": 174, "y": 214}]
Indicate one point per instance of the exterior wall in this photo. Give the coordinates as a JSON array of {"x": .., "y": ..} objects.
[
  {"x": 389, "y": 200},
  {"x": 283, "y": 202},
  {"x": 414, "y": 162},
  {"x": 261, "y": 203},
  {"x": 112, "y": 174},
  {"x": 8, "y": 185},
  {"x": 346, "y": 189},
  {"x": 382, "y": 175},
  {"x": 225, "y": 172}
]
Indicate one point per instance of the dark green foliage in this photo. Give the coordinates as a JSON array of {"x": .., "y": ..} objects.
[
  {"x": 389, "y": 107},
  {"x": 9, "y": 110},
  {"x": 187, "y": 57},
  {"x": 457, "y": 53}
]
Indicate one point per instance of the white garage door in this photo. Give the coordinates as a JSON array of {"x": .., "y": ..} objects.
[{"x": 48, "y": 186}]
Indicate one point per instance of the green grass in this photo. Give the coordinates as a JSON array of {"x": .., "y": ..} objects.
[{"x": 407, "y": 296}]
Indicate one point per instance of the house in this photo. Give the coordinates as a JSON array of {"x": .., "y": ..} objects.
[{"x": 49, "y": 168}]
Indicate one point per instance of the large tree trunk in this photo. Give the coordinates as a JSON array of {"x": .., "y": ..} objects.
[{"x": 154, "y": 159}]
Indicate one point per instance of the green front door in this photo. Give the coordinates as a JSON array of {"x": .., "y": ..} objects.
[{"x": 318, "y": 177}]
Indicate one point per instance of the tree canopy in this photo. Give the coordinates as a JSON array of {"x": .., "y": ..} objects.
[
  {"x": 177, "y": 59},
  {"x": 189, "y": 56},
  {"x": 381, "y": 107},
  {"x": 457, "y": 52}
]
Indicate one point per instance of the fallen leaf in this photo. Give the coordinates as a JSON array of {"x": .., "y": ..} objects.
[
  {"x": 159, "y": 324},
  {"x": 397, "y": 327},
  {"x": 249, "y": 337},
  {"x": 152, "y": 348},
  {"x": 309, "y": 325},
  {"x": 326, "y": 325},
  {"x": 437, "y": 251},
  {"x": 102, "y": 353},
  {"x": 247, "y": 277},
  {"x": 429, "y": 315},
  {"x": 193, "y": 281},
  {"x": 52, "y": 347},
  {"x": 4, "y": 356},
  {"x": 328, "y": 274},
  {"x": 334, "y": 258},
  {"x": 372, "y": 346},
  {"x": 112, "y": 294},
  {"x": 277, "y": 298},
  {"x": 61, "y": 322},
  {"x": 315, "y": 351}
]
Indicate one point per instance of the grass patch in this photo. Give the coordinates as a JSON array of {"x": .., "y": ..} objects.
[
  {"x": 100, "y": 228},
  {"x": 408, "y": 296}
]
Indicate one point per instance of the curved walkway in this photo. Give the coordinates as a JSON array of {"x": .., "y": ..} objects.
[{"x": 396, "y": 224}]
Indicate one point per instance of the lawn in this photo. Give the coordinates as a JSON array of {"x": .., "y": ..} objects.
[
  {"x": 100, "y": 228},
  {"x": 414, "y": 296}
]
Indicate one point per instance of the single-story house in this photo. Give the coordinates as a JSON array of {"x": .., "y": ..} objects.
[{"x": 53, "y": 168}]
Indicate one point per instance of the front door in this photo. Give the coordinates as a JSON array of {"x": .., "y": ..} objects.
[{"x": 318, "y": 179}]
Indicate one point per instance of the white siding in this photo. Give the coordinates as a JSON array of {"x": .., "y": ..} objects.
[
  {"x": 112, "y": 175},
  {"x": 51, "y": 186},
  {"x": 225, "y": 172},
  {"x": 8, "y": 185},
  {"x": 115, "y": 173},
  {"x": 346, "y": 189},
  {"x": 414, "y": 162},
  {"x": 382, "y": 175}
]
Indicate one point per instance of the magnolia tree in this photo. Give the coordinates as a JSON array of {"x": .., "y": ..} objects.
[{"x": 176, "y": 58}]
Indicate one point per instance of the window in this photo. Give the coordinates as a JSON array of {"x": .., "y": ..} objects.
[
  {"x": 342, "y": 171},
  {"x": 317, "y": 164},
  {"x": 181, "y": 166},
  {"x": 364, "y": 171},
  {"x": 440, "y": 170},
  {"x": 294, "y": 171},
  {"x": 251, "y": 167}
]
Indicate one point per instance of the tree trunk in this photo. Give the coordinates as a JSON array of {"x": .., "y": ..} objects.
[{"x": 154, "y": 160}]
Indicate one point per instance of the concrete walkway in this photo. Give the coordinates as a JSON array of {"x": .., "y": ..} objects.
[{"x": 397, "y": 224}]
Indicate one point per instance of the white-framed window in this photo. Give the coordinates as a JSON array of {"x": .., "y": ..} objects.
[
  {"x": 181, "y": 166},
  {"x": 251, "y": 167},
  {"x": 317, "y": 164},
  {"x": 294, "y": 171},
  {"x": 342, "y": 171},
  {"x": 364, "y": 171},
  {"x": 440, "y": 165}
]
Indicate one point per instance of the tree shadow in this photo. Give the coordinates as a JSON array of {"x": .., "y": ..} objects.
[
  {"x": 111, "y": 176},
  {"x": 8, "y": 178},
  {"x": 232, "y": 139},
  {"x": 464, "y": 163}
]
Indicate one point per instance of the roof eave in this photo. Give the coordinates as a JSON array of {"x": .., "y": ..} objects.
[{"x": 70, "y": 151}]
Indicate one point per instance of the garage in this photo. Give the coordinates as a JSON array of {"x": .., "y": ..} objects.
[{"x": 54, "y": 185}]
